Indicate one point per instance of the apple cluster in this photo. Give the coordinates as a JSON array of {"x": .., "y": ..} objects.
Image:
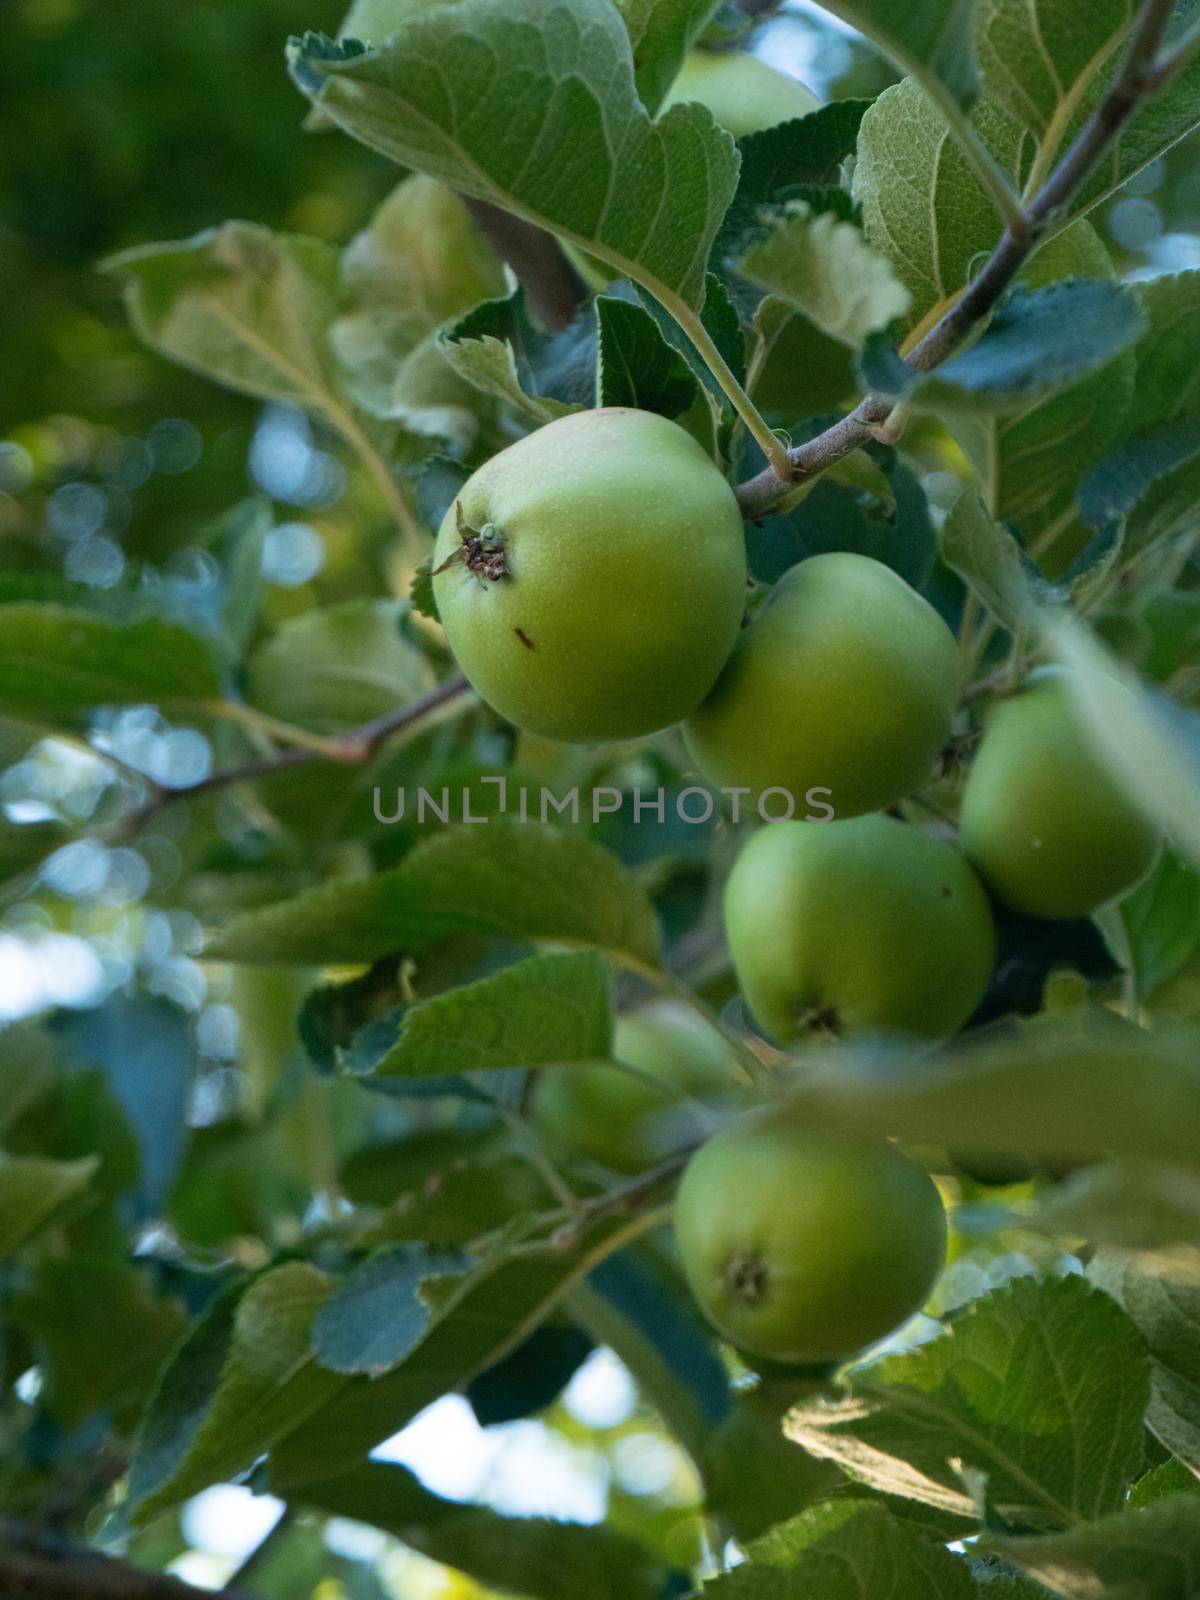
[{"x": 592, "y": 583}]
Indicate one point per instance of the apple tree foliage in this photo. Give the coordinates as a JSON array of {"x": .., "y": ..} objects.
[{"x": 253, "y": 1257}]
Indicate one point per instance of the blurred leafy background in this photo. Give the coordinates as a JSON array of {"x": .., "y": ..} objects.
[{"x": 128, "y": 121}]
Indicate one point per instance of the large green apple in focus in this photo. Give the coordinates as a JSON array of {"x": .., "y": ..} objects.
[
  {"x": 844, "y": 685},
  {"x": 802, "y": 1251},
  {"x": 592, "y": 577},
  {"x": 864, "y": 925}
]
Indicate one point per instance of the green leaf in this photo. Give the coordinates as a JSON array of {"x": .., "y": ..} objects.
[
  {"x": 489, "y": 364},
  {"x": 1007, "y": 1585},
  {"x": 846, "y": 1550},
  {"x": 779, "y": 163},
  {"x": 95, "y": 1360},
  {"x": 518, "y": 882},
  {"x": 1172, "y": 1477},
  {"x": 720, "y": 321},
  {"x": 247, "y": 1381},
  {"x": 532, "y": 1375},
  {"x": 1148, "y": 1209},
  {"x": 57, "y": 663},
  {"x": 660, "y": 34},
  {"x": 439, "y": 479},
  {"x": 1152, "y": 1553},
  {"x": 757, "y": 1478},
  {"x": 1040, "y": 341},
  {"x": 931, "y": 39},
  {"x": 991, "y": 562},
  {"x": 383, "y": 1310},
  {"x": 495, "y": 1307},
  {"x": 824, "y": 267},
  {"x": 583, "y": 158},
  {"x": 50, "y": 586},
  {"x": 77, "y": 1117},
  {"x": 1041, "y": 59},
  {"x": 925, "y": 208},
  {"x": 1159, "y": 123},
  {"x": 25, "y": 845},
  {"x": 870, "y": 503},
  {"x": 496, "y": 348},
  {"x": 1166, "y": 1308},
  {"x": 420, "y": 262},
  {"x": 551, "y": 1008},
  {"x": 238, "y": 538},
  {"x": 421, "y": 258},
  {"x": 242, "y": 1380},
  {"x": 1150, "y": 746},
  {"x": 1153, "y": 474},
  {"x": 145, "y": 1047},
  {"x": 1029, "y": 462},
  {"x": 922, "y": 205},
  {"x": 1148, "y": 478},
  {"x": 29, "y": 1058},
  {"x": 461, "y": 1202},
  {"x": 248, "y": 308},
  {"x": 373, "y": 20},
  {"x": 182, "y": 1397},
  {"x": 1040, "y": 1387},
  {"x": 634, "y": 1307},
  {"x": 1069, "y": 1089},
  {"x": 637, "y": 367},
  {"x": 1161, "y": 918},
  {"x": 34, "y": 1194},
  {"x": 532, "y": 1556},
  {"x": 723, "y": 326},
  {"x": 994, "y": 563},
  {"x": 420, "y": 595},
  {"x": 1168, "y": 380}
]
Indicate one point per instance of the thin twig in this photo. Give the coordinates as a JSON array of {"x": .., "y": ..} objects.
[
  {"x": 1140, "y": 76},
  {"x": 41, "y": 1566},
  {"x": 352, "y": 749},
  {"x": 531, "y": 1147},
  {"x": 624, "y": 1197},
  {"x": 1184, "y": 52}
]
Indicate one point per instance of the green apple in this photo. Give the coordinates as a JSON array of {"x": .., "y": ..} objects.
[
  {"x": 627, "y": 1121},
  {"x": 1043, "y": 821},
  {"x": 802, "y": 1251},
  {"x": 869, "y": 924},
  {"x": 843, "y": 687},
  {"x": 744, "y": 94},
  {"x": 591, "y": 578}
]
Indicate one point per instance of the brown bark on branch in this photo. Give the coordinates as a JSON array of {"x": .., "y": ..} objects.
[
  {"x": 353, "y": 749},
  {"x": 36, "y": 1566},
  {"x": 1140, "y": 76}
]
